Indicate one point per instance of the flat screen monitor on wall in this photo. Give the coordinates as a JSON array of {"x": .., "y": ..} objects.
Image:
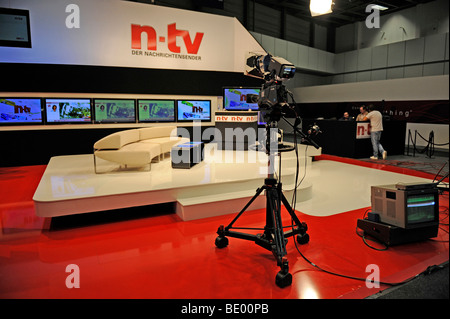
[
  {"x": 15, "y": 28},
  {"x": 114, "y": 111},
  {"x": 193, "y": 110},
  {"x": 156, "y": 110},
  {"x": 235, "y": 98},
  {"x": 68, "y": 110},
  {"x": 20, "y": 110}
]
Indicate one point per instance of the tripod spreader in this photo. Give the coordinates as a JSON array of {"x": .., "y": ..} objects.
[{"x": 274, "y": 237}]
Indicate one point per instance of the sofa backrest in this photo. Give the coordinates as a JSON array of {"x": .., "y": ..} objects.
[
  {"x": 159, "y": 131},
  {"x": 116, "y": 140}
]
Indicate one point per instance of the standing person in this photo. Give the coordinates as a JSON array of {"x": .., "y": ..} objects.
[
  {"x": 376, "y": 128},
  {"x": 363, "y": 113}
]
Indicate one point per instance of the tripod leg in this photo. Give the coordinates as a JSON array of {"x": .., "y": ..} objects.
[
  {"x": 283, "y": 277},
  {"x": 280, "y": 241},
  {"x": 258, "y": 192},
  {"x": 302, "y": 236}
]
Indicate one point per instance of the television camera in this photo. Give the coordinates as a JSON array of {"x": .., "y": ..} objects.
[
  {"x": 273, "y": 96},
  {"x": 273, "y": 101}
]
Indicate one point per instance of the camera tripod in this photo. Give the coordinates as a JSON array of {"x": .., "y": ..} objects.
[{"x": 274, "y": 237}]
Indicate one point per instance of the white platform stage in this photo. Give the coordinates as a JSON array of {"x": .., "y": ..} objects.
[
  {"x": 222, "y": 184},
  {"x": 211, "y": 188}
]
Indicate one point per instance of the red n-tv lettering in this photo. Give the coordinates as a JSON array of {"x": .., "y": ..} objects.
[{"x": 192, "y": 47}]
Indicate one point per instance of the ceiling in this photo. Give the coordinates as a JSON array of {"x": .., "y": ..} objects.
[{"x": 344, "y": 11}]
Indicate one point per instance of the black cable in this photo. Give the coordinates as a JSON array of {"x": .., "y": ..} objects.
[
  {"x": 353, "y": 277},
  {"x": 427, "y": 271}
]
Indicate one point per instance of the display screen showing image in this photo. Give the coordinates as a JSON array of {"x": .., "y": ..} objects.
[
  {"x": 20, "y": 110},
  {"x": 15, "y": 28},
  {"x": 420, "y": 208},
  {"x": 156, "y": 110},
  {"x": 68, "y": 110},
  {"x": 194, "y": 110},
  {"x": 114, "y": 111},
  {"x": 235, "y": 99}
]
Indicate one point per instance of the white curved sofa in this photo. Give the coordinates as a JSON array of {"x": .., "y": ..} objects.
[{"x": 137, "y": 147}]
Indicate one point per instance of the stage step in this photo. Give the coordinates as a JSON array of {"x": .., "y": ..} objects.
[{"x": 197, "y": 207}]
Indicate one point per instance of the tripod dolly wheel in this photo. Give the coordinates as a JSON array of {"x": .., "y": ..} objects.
[
  {"x": 283, "y": 277},
  {"x": 303, "y": 239},
  {"x": 221, "y": 242}
]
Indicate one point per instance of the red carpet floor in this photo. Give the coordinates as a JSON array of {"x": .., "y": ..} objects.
[{"x": 156, "y": 255}]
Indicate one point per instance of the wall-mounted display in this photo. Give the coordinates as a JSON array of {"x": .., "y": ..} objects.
[
  {"x": 156, "y": 110},
  {"x": 193, "y": 110},
  {"x": 20, "y": 110},
  {"x": 67, "y": 110},
  {"x": 15, "y": 28},
  {"x": 235, "y": 98},
  {"x": 114, "y": 111}
]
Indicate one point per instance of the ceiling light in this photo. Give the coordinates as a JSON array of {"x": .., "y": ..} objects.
[
  {"x": 378, "y": 7},
  {"x": 319, "y": 7}
]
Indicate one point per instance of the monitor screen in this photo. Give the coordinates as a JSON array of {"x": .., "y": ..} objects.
[
  {"x": 420, "y": 208},
  {"x": 156, "y": 110},
  {"x": 194, "y": 110},
  {"x": 15, "y": 28},
  {"x": 20, "y": 110},
  {"x": 114, "y": 111},
  {"x": 68, "y": 110},
  {"x": 235, "y": 99}
]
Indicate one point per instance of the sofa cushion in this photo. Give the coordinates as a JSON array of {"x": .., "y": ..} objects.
[
  {"x": 165, "y": 143},
  {"x": 156, "y": 132},
  {"x": 134, "y": 154},
  {"x": 116, "y": 140}
]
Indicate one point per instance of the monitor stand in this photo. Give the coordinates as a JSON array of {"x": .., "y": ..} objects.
[{"x": 393, "y": 235}]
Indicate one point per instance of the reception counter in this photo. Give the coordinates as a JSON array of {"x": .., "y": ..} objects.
[{"x": 352, "y": 139}]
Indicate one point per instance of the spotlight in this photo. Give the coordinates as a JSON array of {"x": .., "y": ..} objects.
[
  {"x": 378, "y": 7},
  {"x": 320, "y": 7}
]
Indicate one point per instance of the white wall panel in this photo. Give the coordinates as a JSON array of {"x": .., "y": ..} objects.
[
  {"x": 395, "y": 73},
  {"x": 303, "y": 56},
  {"x": 365, "y": 59},
  {"x": 268, "y": 43},
  {"x": 413, "y": 71},
  {"x": 322, "y": 61},
  {"x": 280, "y": 48},
  {"x": 313, "y": 58},
  {"x": 351, "y": 61},
  {"x": 379, "y": 56},
  {"x": 414, "y": 51},
  {"x": 435, "y": 47},
  {"x": 330, "y": 62},
  {"x": 349, "y": 77},
  {"x": 433, "y": 69},
  {"x": 339, "y": 63},
  {"x": 363, "y": 76},
  {"x": 446, "y": 46},
  {"x": 106, "y": 37},
  {"x": 292, "y": 53},
  {"x": 396, "y": 54},
  {"x": 378, "y": 75},
  {"x": 411, "y": 89}
]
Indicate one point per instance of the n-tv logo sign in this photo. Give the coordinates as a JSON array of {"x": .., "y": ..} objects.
[{"x": 155, "y": 41}]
